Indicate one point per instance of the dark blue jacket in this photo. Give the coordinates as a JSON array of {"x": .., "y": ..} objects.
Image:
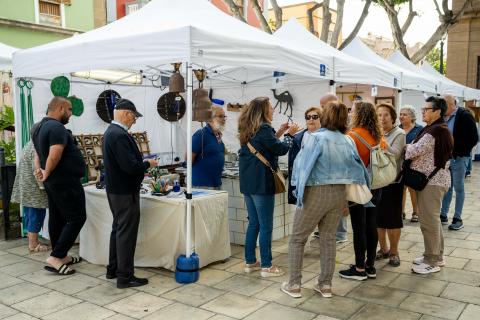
[
  {"x": 255, "y": 177},
  {"x": 292, "y": 154}
]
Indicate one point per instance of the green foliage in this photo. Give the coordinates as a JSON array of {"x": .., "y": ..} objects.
[
  {"x": 9, "y": 150},
  {"x": 433, "y": 57},
  {"x": 7, "y": 118}
]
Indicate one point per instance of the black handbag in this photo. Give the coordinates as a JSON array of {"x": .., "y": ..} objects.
[{"x": 415, "y": 179}]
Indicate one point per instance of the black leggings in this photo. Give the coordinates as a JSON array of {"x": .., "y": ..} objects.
[{"x": 365, "y": 236}]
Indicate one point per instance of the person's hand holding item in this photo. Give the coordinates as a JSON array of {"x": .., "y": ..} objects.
[{"x": 283, "y": 128}]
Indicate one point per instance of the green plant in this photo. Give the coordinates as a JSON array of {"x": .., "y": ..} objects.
[
  {"x": 9, "y": 150},
  {"x": 7, "y": 118}
]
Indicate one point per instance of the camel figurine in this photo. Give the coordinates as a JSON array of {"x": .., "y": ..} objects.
[{"x": 284, "y": 97}]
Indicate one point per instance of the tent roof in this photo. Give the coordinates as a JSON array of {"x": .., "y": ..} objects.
[
  {"x": 162, "y": 32},
  {"x": 410, "y": 79},
  {"x": 347, "y": 68},
  {"x": 398, "y": 59},
  {"x": 450, "y": 86},
  {"x": 6, "y": 53}
]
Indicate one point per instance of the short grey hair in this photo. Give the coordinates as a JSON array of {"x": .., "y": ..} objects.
[{"x": 411, "y": 110}]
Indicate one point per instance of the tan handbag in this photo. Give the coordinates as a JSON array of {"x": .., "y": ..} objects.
[{"x": 279, "y": 179}]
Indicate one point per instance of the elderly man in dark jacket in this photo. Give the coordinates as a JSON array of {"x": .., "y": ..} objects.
[
  {"x": 124, "y": 171},
  {"x": 465, "y": 135}
]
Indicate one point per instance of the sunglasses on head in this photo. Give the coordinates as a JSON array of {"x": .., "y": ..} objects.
[{"x": 313, "y": 117}]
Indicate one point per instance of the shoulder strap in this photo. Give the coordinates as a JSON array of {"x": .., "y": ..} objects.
[
  {"x": 259, "y": 156},
  {"x": 363, "y": 141}
]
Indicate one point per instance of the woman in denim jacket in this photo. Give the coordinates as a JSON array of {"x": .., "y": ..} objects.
[
  {"x": 327, "y": 162},
  {"x": 257, "y": 182}
]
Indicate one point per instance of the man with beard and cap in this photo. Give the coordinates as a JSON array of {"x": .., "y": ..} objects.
[
  {"x": 124, "y": 172},
  {"x": 208, "y": 152},
  {"x": 61, "y": 168}
]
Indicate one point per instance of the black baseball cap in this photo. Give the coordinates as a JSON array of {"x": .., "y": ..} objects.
[{"x": 125, "y": 104}]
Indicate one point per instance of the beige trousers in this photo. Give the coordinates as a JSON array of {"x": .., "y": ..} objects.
[{"x": 429, "y": 203}]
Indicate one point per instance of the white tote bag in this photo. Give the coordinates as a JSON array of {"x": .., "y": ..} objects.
[{"x": 358, "y": 193}]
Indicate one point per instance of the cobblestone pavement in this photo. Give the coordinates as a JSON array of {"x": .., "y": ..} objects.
[{"x": 225, "y": 292}]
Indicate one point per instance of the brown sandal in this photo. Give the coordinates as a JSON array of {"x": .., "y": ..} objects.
[{"x": 39, "y": 248}]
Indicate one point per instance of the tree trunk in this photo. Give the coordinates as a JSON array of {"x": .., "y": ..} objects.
[
  {"x": 446, "y": 21},
  {"x": 235, "y": 10},
  {"x": 278, "y": 14},
  {"x": 397, "y": 34},
  {"x": 327, "y": 19},
  {"x": 359, "y": 24},
  {"x": 261, "y": 17},
  {"x": 338, "y": 23},
  {"x": 411, "y": 15},
  {"x": 311, "y": 25}
]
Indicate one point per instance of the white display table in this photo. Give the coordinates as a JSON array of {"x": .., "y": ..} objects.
[{"x": 161, "y": 234}]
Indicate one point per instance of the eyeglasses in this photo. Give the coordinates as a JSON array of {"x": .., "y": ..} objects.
[
  {"x": 133, "y": 114},
  {"x": 425, "y": 109},
  {"x": 221, "y": 117},
  {"x": 313, "y": 117}
]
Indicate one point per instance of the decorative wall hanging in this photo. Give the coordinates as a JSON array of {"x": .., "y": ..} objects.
[
  {"x": 281, "y": 98},
  {"x": 171, "y": 106},
  {"x": 235, "y": 107},
  {"x": 26, "y": 109},
  {"x": 60, "y": 86},
  {"x": 91, "y": 147},
  {"x": 106, "y": 104},
  {"x": 202, "y": 106},
  {"x": 77, "y": 105}
]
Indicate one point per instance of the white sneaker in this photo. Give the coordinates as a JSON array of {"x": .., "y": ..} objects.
[
  {"x": 325, "y": 291},
  {"x": 424, "y": 268},
  {"x": 419, "y": 260},
  {"x": 293, "y": 291},
  {"x": 273, "y": 271}
]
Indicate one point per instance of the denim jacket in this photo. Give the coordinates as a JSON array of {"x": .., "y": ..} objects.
[{"x": 327, "y": 157}]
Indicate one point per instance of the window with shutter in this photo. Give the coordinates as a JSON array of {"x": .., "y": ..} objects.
[{"x": 49, "y": 12}]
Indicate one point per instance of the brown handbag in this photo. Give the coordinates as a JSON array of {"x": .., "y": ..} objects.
[{"x": 279, "y": 179}]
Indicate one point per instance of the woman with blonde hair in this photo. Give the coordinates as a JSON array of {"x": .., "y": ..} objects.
[
  {"x": 257, "y": 137},
  {"x": 365, "y": 129}
]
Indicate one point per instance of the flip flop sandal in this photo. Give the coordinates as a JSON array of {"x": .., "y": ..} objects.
[
  {"x": 75, "y": 260},
  {"x": 39, "y": 248},
  {"x": 414, "y": 218},
  {"x": 64, "y": 270}
]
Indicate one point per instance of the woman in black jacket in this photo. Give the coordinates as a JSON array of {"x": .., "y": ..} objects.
[{"x": 257, "y": 182}]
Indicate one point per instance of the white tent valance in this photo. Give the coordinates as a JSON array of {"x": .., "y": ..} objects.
[
  {"x": 346, "y": 68},
  {"x": 409, "y": 79}
]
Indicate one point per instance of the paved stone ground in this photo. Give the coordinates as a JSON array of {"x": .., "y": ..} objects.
[{"x": 224, "y": 292}]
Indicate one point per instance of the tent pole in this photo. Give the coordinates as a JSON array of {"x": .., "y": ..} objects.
[{"x": 188, "y": 243}]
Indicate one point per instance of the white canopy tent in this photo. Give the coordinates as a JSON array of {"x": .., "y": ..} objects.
[
  {"x": 409, "y": 79},
  {"x": 450, "y": 86},
  {"x": 6, "y": 53},
  {"x": 189, "y": 31},
  {"x": 346, "y": 68}
]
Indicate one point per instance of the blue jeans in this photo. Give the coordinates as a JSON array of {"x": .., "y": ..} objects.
[
  {"x": 260, "y": 221},
  {"x": 342, "y": 229},
  {"x": 458, "y": 167},
  {"x": 33, "y": 219}
]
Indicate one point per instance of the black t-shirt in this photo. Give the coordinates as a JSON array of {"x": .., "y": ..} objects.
[{"x": 71, "y": 164}]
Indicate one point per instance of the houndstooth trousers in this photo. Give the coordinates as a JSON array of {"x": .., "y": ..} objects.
[{"x": 322, "y": 206}]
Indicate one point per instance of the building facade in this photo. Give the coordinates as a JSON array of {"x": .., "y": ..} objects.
[
  {"x": 28, "y": 23},
  {"x": 120, "y": 8},
  {"x": 299, "y": 11},
  {"x": 463, "y": 54}
]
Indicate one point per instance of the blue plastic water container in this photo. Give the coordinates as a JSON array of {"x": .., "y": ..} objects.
[{"x": 187, "y": 270}]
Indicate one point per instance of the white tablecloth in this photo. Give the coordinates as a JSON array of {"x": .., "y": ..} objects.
[{"x": 161, "y": 234}]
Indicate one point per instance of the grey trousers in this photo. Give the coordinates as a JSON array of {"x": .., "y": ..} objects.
[
  {"x": 429, "y": 203},
  {"x": 323, "y": 206}
]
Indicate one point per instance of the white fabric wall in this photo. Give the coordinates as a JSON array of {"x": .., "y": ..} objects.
[{"x": 163, "y": 134}]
